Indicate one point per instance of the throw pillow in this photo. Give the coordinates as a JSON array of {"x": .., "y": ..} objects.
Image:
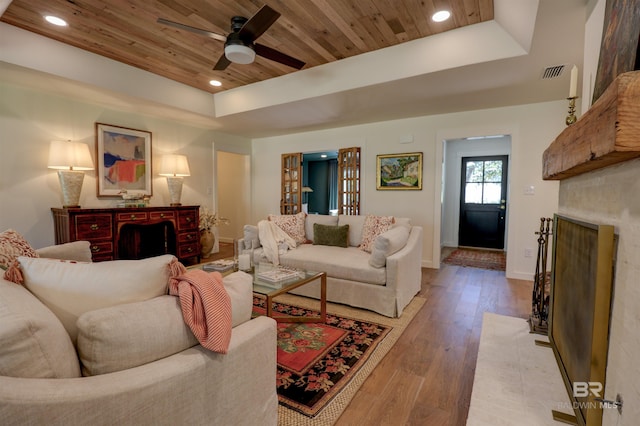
[
  {"x": 322, "y": 219},
  {"x": 388, "y": 243},
  {"x": 72, "y": 288},
  {"x": 374, "y": 226},
  {"x": 293, "y": 225},
  {"x": 34, "y": 342},
  {"x": 250, "y": 237},
  {"x": 330, "y": 235},
  {"x": 12, "y": 245}
]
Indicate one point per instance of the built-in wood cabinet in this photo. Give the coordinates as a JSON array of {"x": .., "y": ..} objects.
[{"x": 131, "y": 233}]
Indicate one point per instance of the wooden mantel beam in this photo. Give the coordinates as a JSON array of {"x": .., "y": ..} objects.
[{"x": 608, "y": 133}]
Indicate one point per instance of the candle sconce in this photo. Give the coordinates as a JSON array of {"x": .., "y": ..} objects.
[{"x": 571, "y": 118}]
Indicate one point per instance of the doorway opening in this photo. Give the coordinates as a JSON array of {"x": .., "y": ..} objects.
[{"x": 468, "y": 201}]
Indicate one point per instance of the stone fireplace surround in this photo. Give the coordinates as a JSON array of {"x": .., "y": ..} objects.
[{"x": 597, "y": 161}]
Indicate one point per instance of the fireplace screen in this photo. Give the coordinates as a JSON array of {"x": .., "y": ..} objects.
[{"x": 581, "y": 294}]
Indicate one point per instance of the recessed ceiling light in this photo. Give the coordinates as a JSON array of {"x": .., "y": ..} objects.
[
  {"x": 56, "y": 21},
  {"x": 215, "y": 83},
  {"x": 441, "y": 16}
]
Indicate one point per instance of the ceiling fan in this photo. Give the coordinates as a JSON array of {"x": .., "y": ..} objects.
[{"x": 239, "y": 46}]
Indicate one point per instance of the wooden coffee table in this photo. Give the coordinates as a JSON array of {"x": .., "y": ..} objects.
[{"x": 274, "y": 289}]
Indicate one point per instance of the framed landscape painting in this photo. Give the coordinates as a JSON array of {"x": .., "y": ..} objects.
[
  {"x": 124, "y": 160},
  {"x": 399, "y": 171}
]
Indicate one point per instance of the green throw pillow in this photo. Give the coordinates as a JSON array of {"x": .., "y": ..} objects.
[{"x": 330, "y": 235}]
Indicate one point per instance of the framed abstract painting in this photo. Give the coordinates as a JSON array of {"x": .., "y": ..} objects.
[
  {"x": 399, "y": 171},
  {"x": 124, "y": 160}
]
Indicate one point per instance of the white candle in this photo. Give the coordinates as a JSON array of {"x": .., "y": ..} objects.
[
  {"x": 244, "y": 262},
  {"x": 573, "y": 88}
]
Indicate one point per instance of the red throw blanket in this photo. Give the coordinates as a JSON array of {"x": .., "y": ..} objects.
[{"x": 205, "y": 304}]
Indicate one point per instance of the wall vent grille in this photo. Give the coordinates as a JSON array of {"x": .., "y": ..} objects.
[{"x": 553, "y": 71}]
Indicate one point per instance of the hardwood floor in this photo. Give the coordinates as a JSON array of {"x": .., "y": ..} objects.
[{"x": 427, "y": 377}]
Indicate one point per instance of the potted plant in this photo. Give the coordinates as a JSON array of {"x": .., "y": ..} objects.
[{"x": 208, "y": 220}]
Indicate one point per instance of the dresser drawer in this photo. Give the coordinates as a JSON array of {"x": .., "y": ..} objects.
[
  {"x": 187, "y": 220},
  {"x": 162, "y": 215},
  {"x": 89, "y": 227},
  {"x": 132, "y": 217},
  {"x": 101, "y": 250},
  {"x": 188, "y": 250},
  {"x": 187, "y": 237}
]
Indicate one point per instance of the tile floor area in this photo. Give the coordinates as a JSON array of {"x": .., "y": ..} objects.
[{"x": 516, "y": 381}]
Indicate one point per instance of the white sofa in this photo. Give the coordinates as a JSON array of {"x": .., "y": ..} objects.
[
  {"x": 176, "y": 382},
  {"x": 383, "y": 281}
]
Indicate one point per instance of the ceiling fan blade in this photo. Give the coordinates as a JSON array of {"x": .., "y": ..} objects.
[
  {"x": 258, "y": 23},
  {"x": 222, "y": 63},
  {"x": 275, "y": 55},
  {"x": 205, "y": 33}
]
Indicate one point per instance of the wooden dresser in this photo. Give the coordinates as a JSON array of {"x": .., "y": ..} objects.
[{"x": 131, "y": 233}]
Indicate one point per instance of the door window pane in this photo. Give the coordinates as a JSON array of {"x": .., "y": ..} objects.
[
  {"x": 473, "y": 193},
  {"x": 493, "y": 171},
  {"x": 492, "y": 193},
  {"x": 474, "y": 171}
]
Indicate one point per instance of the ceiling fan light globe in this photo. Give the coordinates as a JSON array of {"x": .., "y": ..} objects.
[{"x": 239, "y": 54}]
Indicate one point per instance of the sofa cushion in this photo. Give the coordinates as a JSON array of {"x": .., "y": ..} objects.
[
  {"x": 349, "y": 263},
  {"x": 292, "y": 224},
  {"x": 12, "y": 245},
  {"x": 386, "y": 244},
  {"x": 374, "y": 226},
  {"x": 75, "y": 250},
  {"x": 328, "y": 235},
  {"x": 34, "y": 342},
  {"x": 72, "y": 288},
  {"x": 355, "y": 222},
  {"x": 312, "y": 219},
  {"x": 126, "y": 336}
]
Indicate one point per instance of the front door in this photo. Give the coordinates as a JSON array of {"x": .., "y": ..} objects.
[{"x": 483, "y": 201}]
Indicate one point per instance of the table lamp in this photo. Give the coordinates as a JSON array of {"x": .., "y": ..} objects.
[
  {"x": 70, "y": 159},
  {"x": 174, "y": 167}
]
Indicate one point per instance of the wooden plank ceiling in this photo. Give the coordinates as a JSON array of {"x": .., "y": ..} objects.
[{"x": 314, "y": 31}]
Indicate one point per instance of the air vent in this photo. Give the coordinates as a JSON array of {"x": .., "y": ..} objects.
[{"x": 553, "y": 71}]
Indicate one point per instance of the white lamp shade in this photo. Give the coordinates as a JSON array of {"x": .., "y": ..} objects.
[
  {"x": 69, "y": 156},
  {"x": 174, "y": 165}
]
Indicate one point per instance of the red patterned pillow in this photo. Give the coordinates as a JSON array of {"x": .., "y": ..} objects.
[
  {"x": 292, "y": 224},
  {"x": 12, "y": 245},
  {"x": 373, "y": 226}
]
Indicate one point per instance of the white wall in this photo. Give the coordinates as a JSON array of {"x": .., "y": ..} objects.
[
  {"x": 29, "y": 120},
  {"x": 532, "y": 128}
]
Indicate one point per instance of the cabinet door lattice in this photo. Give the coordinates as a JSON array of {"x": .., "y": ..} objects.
[
  {"x": 349, "y": 181},
  {"x": 291, "y": 192}
]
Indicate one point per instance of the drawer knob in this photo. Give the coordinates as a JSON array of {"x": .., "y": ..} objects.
[
  {"x": 189, "y": 237},
  {"x": 190, "y": 249},
  {"x": 188, "y": 219},
  {"x": 161, "y": 214},
  {"x": 94, "y": 227},
  {"x": 95, "y": 249},
  {"x": 133, "y": 217}
]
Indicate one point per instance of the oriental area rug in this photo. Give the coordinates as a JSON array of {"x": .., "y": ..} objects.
[
  {"x": 477, "y": 258},
  {"x": 321, "y": 366}
]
